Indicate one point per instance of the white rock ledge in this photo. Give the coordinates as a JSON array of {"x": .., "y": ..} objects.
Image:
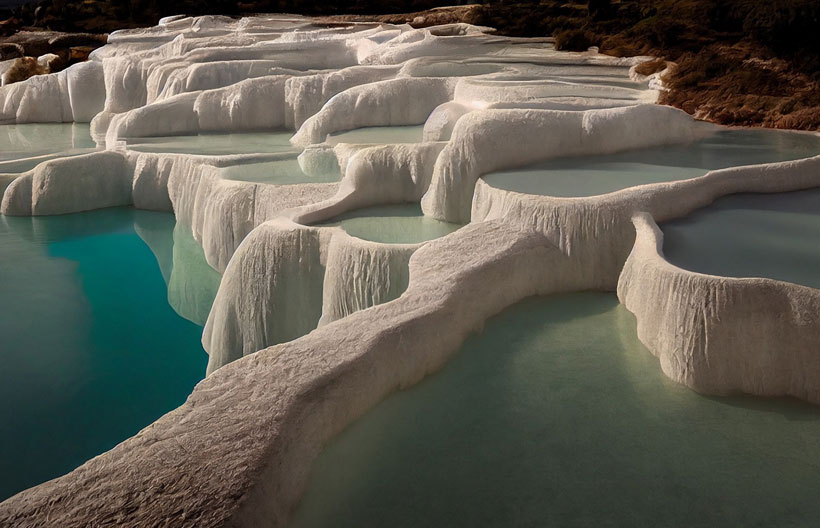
[
  {"x": 378, "y": 317},
  {"x": 238, "y": 452},
  {"x": 721, "y": 335}
]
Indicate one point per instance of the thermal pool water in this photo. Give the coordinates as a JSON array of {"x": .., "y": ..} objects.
[
  {"x": 279, "y": 172},
  {"x": 215, "y": 144},
  {"x": 751, "y": 235},
  {"x": 379, "y": 135},
  {"x": 594, "y": 175},
  {"x": 392, "y": 224},
  {"x": 24, "y": 146},
  {"x": 556, "y": 415},
  {"x": 92, "y": 351}
]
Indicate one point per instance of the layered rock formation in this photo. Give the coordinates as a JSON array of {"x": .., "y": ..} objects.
[{"x": 312, "y": 326}]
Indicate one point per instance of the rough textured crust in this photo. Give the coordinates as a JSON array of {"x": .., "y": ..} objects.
[{"x": 239, "y": 451}]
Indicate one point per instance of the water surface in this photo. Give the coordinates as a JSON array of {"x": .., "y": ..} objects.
[
  {"x": 280, "y": 172},
  {"x": 91, "y": 349},
  {"x": 751, "y": 235},
  {"x": 557, "y": 416},
  {"x": 379, "y": 135},
  {"x": 24, "y": 146},
  {"x": 594, "y": 175},
  {"x": 392, "y": 224},
  {"x": 215, "y": 144}
]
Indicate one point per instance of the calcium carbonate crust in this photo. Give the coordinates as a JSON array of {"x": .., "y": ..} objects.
[{"x": 375, "y": 318}]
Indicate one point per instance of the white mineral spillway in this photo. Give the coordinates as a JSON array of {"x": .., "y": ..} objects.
[{"x": 312, "y": 325}]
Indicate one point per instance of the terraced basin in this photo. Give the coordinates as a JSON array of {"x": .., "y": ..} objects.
[{"x": 594, "y": 175}]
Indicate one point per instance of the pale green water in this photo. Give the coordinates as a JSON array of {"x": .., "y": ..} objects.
[
  {"x": 594, "y": 175},
  {"x": 92, "y": 349},
  {"x": 22, "y": 147},
  {"x": 557, "y": 416},
  {"x": 192, "y": 283},
  {"x": 216, "y": 144},
  {"x": 282, "y": 172},
  {"x": 751, "y": 235},
  {"x": 381, "y": 135},
  {"x": 392, "y": 224}
]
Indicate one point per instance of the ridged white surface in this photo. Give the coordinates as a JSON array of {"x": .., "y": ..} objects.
[{"x": 239, "y": 451}]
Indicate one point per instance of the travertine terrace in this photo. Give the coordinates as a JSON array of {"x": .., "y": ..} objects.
[{"x": 311, "y": 326}]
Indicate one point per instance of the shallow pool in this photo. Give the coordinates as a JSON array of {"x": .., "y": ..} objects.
[
  {"x": 379, "y": 135},
  {"x": 594, "y": 175},
  {"x": 557, "y": 416},
  {"x": 751, "y": 235},
  {"x": 280, "y": 172},
  {"x": 392, "y": 224},
  {"x": 91, "y": 349},
  {"x": 215, "y": 144},
  {"x": 24, "y": 146}
]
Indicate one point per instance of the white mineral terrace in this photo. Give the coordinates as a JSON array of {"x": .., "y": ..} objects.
[{"x": 283, "y": 144}]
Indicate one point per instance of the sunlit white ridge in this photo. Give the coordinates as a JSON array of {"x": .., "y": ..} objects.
[{"x": 312, "y": 325}]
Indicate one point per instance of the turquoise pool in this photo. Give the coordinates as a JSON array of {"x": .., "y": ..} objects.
[
  {"x": 594, "y": 175},
  {"x": 279, "y": 172},
  {"x": 379, "y": 135},
  {"x": 557, "y": 416},
  {"x": 92, "y": 350},
  {"x": 392, "y": 224},
  {"x": 751, "y": 235},
  {"x": 23, "y": 147},
  {"x": 215, "y": 144}
]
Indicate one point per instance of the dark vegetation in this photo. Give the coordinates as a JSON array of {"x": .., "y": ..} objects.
[{"x": 746, "y": 62}]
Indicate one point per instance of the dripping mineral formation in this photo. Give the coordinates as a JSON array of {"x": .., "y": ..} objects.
[{"x": 321, "y": 312}]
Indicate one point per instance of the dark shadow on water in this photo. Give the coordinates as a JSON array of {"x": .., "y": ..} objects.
[
  {"x": 787, "y": 407},
  {"x": 59, "y": 228}
]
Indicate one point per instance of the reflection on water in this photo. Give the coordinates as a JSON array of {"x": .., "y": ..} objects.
[
  {"x": 751, "y": 235},
  {"x": 22, "y": 147},
  {"x": 392, "y": 224},
  {"x": 379, "y": 135},
  {"x": 593, "y": 175},
  {"x": 191, "y": 282},
  {"x": 557, "y": 416},
  {"x": 280, "y": 172},
  {"x": 91, "y": 349},
  {"x": 216, "y": 144}
]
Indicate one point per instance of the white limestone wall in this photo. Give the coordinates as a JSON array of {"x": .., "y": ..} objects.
[
  {"x": 75, "y": 94},
  {"x": 721, "y": 335},
  {"x": 239, "y": 451},
  {"x": 271, "y": 292},
  {"x": 306, "y": 95},
  {"x": 495, "y": 139},
  {"x": 490, "y": 90},
  {"x": 594, "y": 232},
  {"x": 360, "y": 274},
  {"x": 222, "y": 212},
  {"x": 259, "y": 422},
  {"x": 387, "y": 174},
  {"x": 404, "y": 101},
  {"x": 287, "y": 278},
  {"x": 442, "y": 120},
  {"x": 175, "y": 78},
  {"x": 68, "y": 185}
]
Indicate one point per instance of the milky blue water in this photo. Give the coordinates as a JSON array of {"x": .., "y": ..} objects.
[
  {"x": 392, "y": 224},
  {"x": 594, "y": 175},
  {"x": 379, "y": 135},
  {"x": 215, "y": 144},
  {"x": 751, "y": 235},
  {"x": 91, "y": 349},
  {"x": 280, "y": 172},
  {"x": 24, "y": 146},
  {"x": 556, "y": 415}
]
